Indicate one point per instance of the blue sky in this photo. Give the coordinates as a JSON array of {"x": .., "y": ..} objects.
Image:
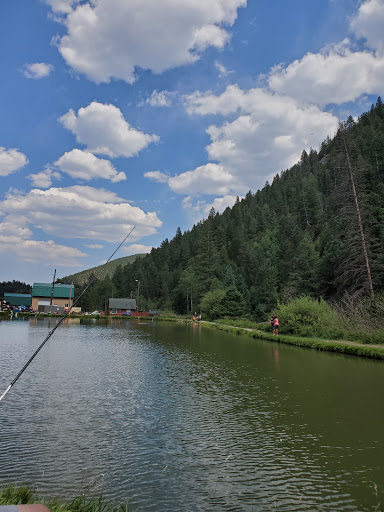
[{"x": 117, "y": 113}]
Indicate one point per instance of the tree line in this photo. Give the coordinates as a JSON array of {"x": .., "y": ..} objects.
[
  {"x": 14, "y": 287},
  {"x": 317, "y": 230}
]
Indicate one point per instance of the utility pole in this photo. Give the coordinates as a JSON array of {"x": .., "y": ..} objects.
[
  {"x": 138, "y": 294},
  {"x": 53, "y": 286},
  {"x": 70, "y": 295}
]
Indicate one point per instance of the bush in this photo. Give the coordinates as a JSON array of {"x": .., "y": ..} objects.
[
  {"x": 371, "y": 336},
  {"x": 231, "y": 305},
  {"x": 209, "y": 303},
  {"x": 306, "y": 316},
  {"x": 362, "y": 318}
]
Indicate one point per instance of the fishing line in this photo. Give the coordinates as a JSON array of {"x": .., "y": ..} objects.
[{"x": 60, "y": 321}]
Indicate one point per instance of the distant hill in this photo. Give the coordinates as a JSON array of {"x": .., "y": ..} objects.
[{"x": 105, "y": 270}]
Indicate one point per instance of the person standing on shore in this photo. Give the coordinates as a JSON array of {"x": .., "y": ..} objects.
[
  {"x": 275, "y": 328},
  {"x": 272, "y": 321},
  {"x": 275, "y": 325}
]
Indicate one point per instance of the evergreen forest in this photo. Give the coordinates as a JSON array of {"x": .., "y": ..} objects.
[
  {"x": 14, "y": 287},
  {"x": 316, "y": 230}
]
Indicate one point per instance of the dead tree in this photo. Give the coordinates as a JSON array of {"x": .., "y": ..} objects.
[{"x": 360, "y": 225}]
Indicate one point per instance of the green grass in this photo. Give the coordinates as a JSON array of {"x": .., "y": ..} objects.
[
  {"x": 339, "y": 346},
  {"x": 16, "y": 496},
  {"x": 171, "y": 314},
  {"x": 243, "y": 322},
  {"x": 366, "y": 336},
  {"x": 13, "y": 495}
]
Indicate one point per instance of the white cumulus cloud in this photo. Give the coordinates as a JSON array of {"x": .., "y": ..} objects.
[
  {"x": 369, "y": 24},
  {"x": 267, "y": 134},
  {"x": 15, "y": 238},
  {"x": 15, "y": 230},
  {"x": 110, "y": 39},
  {"x": 337, "y": 76},
  {"x": 103, "y": 129},
  {"x": 210, "y": 35},
  {"x": 138, "y": 249},
  {"x": 61, "y": 6},
  {"x": 11, "y": 160},
  {"x": 44, "y": 178},
  {"x": 86, "y": 166},
  {"x": 47, "y": 253},
  {"x": 37, "y": 70},
  {"x": 159, "y": 99},
  {"x": 79, "y": 212},
  {"x": 208, "y": 179},
  {"x": 263, "y": 130},
  {"x": 158, "y": 176},
  {"x": 96, "y": 194}
]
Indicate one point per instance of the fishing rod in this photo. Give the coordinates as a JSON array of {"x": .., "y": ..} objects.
[{"x": 60, "y": 321}]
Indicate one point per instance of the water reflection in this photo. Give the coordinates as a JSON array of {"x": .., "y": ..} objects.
[{"x": 184, "y": 418}]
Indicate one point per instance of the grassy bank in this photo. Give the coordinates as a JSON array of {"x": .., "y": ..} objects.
[
  {"x": 24, "y": 495},
  {"x": 261, "y": 331},
  {"x": 254, "y": 330},
  {"x": 340, "y": 346}
]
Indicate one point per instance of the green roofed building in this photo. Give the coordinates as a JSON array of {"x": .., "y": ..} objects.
[
  {"x": 62, "y": 295},
  {"x": 18, "y": 299}
]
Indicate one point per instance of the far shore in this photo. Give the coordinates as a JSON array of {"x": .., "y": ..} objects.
[{"x": 338, "y": 346}]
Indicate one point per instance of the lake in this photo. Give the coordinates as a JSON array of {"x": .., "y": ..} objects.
[{"x": 178, "y": 418}]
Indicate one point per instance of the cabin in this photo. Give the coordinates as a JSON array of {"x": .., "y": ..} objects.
[
  {"x": 18, "y": 299},
  {"x": 62, "y": 295},
  {"x": 119, "y": 307}
]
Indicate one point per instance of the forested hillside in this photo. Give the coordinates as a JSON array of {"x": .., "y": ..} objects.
[
  {"x": 102, "y": 271},
  {"x": 14, "y": 287},
  {"x": 317, "y": 229}
]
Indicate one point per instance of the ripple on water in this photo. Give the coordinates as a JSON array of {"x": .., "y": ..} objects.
[{"x": 175, "y": 420}]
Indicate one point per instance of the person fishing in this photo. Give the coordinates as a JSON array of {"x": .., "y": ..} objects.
[{"x": 275, "y": 325}]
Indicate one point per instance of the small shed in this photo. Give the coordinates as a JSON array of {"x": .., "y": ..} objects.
[
  {"x": 121, "y": 306},
  {"x": 18, "y": 299}
]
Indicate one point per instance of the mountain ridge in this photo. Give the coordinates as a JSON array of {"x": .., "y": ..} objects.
[{"x": 102, "y": 271}]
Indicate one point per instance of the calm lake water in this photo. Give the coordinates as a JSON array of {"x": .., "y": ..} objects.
[{"x": 180, "y": 418}]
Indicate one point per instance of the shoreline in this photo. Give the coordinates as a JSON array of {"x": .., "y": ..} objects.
[{"x": 337, "y": 346}]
